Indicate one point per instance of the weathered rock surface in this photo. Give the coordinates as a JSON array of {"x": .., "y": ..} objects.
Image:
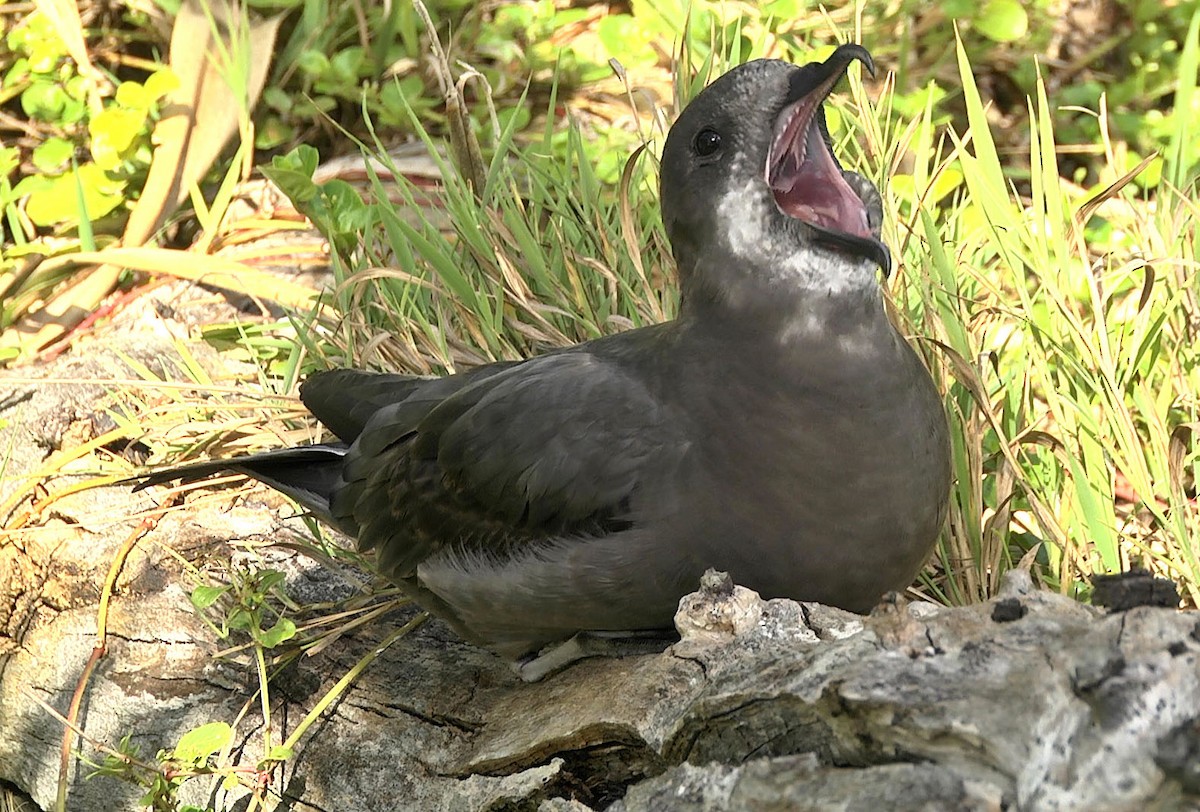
[{"x": 1029, "y": 702}]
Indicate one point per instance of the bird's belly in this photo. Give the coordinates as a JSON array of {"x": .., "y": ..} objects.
[
  {"x": 839, "y": 517},
  {"x": 631, "y": 580}
]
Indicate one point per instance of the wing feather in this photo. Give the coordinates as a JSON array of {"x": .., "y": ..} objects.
[{"x": 558, "y": 445}]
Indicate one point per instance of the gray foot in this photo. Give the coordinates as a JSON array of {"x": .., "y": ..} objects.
[{"x": 558, "y": 656}]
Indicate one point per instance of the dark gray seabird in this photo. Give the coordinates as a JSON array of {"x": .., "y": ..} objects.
[{"x": 780, "y": 429}]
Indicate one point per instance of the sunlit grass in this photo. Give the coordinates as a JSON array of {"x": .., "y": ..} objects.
[{"x": 1064, "y": 320}]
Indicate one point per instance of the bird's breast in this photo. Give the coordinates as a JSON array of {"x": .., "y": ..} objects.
[{"x": 827, "y": 474}]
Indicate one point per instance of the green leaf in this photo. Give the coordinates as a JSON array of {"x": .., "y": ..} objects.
[
  {"x": 267, "y": 579},
  {"x": 314, "y": 63},
  {"x": 52, "y": 154},
  {"x": 77, "y": 88},
  {"x": 783, "y": 9},
  {"x": 113, "y": 133},
  {"x": 833, "y": 120},
  {"x": 297, "y": 185},
  {"x": 44, "y": 101},
  {"x": 198, "y": 744},
  {"x": 56, "y": 202},
  {"x": 279, "y": 753},
  {"x": 18, "y": 71},
  {"x": 345, "y": 66},
  {"x": 240, "y": 618},
  {"x": 283, "y": 630},
  {"x": 1002, "y": 20},
  {"x": 304, "y": 159},
  {"x": 946, "y": 182},
  {"x": 133, "y": 95},
  {"x": 277, "y": 99},
  {"x": 273, "y": 133},
  {"x": 622, "y": 35},
  {"x": 32, "y": 185},
  {"x": 160, "y": 83},
  {"x": 10, "y": 158},
  {"x": 205, "y": 596},
  {"x": 37, "y": 39},
  {"x": 958, "y": 8}
]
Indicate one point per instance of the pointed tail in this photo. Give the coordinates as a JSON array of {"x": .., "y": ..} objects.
[{"x": 308, "y": 474}]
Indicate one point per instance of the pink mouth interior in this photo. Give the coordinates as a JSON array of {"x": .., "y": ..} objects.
[{"x": 806, "y": 182}]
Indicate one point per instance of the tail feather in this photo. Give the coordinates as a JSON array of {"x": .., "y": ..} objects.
[{"x": 308, "y": 474}]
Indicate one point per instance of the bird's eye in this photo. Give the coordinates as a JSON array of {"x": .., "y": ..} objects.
[{"x": 707, "y": 142}]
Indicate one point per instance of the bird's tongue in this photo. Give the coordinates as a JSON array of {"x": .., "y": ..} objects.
[{"x": 807, "y": 182}]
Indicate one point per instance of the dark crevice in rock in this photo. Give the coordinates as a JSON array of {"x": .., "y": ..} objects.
[
  {"x": 435, "y": 719},
  {"x": 1179, "y": 755},
  {"x": 773, "y": 726},
  {"x": 605, "y": 772}
]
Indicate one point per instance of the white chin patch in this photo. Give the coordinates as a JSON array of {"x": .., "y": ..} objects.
[{"x": 747, "y": 212}]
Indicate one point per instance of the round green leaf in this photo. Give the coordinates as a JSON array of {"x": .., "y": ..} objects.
[
  {"x": 277, "y": 99},
  {"x": 279, "y": 753},
  {"x": 10, "y": 158},
  {"x": 44, "y": 100},
  {"x": 1002, "y": 20},
  {"x": 113, "y": 132},
  {"x": 76, "y": 88},
  {"x": 52, "y": 154},
  {"x": 626, "y": 39},
  {"x": 161, "y": 82},
  {"x": 273, "y": 133},
  {"x": 44, "y": 53},
  {"x": 314, "y": 63},
  {"x": 18, "y": 71},
  {"x": 133, "y": 95},
  {"x": 783, "y": 9},
  {"x": 903, "y": 187},
  {"x": 58, "y": 201},
  {"x": 833, "y": 120},
  {"x": 947, "y": 181},
  {"x": 345, "y": 66}
]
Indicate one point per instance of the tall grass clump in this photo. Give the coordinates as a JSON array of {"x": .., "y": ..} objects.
[{"x": 1061, "y": 321}]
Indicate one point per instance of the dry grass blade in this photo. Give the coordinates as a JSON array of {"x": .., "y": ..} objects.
[
  {"x": 1089, "y": 206},
  {"x": 209, "y": 270},
  {"x": 629, "y": 230},
  {"x": 98, "y": 651},
  {"x": 61, "y": 313}
]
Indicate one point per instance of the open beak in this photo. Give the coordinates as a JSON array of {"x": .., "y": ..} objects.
[{"x": 805, "y": 178}]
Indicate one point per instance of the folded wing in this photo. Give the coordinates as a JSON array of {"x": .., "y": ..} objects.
[{"x": 568, "y": 444}]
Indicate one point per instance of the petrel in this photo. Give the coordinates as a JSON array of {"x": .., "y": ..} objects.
[{"x": 780, "y": 429}]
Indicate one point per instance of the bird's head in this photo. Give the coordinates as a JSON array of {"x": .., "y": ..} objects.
[{"x": 749, "y": 180}]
